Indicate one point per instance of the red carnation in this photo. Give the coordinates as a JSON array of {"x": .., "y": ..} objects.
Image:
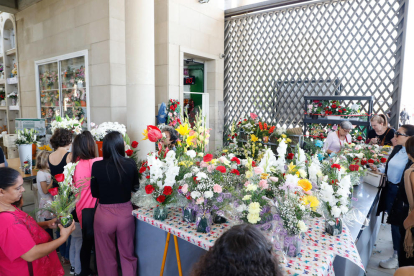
[
  {"x": 340, "y": 111},
  {"x": 330, "y": 112},
  {"x": 172, "y": 108},
  {"x": 235, "y": 159},
  {"x": 149, "y": 189},
  {"x": 167, "y": 190},
  {"x": 208, "y": 157},
  {"x": 359, "y": 138},
  {"x": 383, "y": 160},
  {"x": 356, "y": 167},
  {"x": 188, "y": 197},
  {"x": 371, "y": 161},
  {"x": 129, "y": 152},
  {"x": 142, "y": 170},
  {"x": 351, "y": 168},
  {"x": 53, "y": 191},
  {"x": 134, "y": 144},
  {"x": 337, "y": 166},
  {"x": 147, "y": 177},
  {"x": 60, "y": 177},
  {"x": 161, "y": 198},
  {"x": 363, "y": 162},
  {"x": 290, "y": 156},
  {"x": 235, "y": 171},
  {"x": 253, "y": 164},
  {"x": 333, "y": 106},
  {"x": 221, "y": 169}
]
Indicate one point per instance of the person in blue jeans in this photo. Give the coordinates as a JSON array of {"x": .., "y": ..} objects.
[{"x": 394, "y": 169}]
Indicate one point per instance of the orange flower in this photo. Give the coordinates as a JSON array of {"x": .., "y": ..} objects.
[
  {"x": 260, "y": 126},
  {"x": 305, "y": 184},
  {"x": 265, "y": 126}
]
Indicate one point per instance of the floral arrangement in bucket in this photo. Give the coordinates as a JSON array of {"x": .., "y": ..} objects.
[
  {"x": 174, "y": 111},
  {"x": 65, "y": 196},
  {"x": 25, "y": 139},
  {"x": 73, "y": 124}
]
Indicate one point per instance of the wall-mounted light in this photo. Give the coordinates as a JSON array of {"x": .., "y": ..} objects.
[{"x": 203, "y": 1}]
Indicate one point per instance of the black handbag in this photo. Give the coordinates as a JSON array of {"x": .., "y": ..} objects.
[
  {"x": 88, "y": 216},
  {"x": 399, "y": 211}
]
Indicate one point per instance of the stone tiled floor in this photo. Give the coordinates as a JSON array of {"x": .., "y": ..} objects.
[{"x": 382, "y": 250}]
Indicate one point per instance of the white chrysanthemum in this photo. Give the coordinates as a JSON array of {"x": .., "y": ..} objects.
[
  {"x": 195, "y": 194},
  {"x": 201, "y": 175},
  {"x": 247, "y": 197},
  {"x": 253, "y": 218},
  {"x": 208, "y": 194},
  {"x": 191, "y": 153},
  {"x": 254, "y": 207},
  {"x": 241, "y": 208},
  {"x": 302, "y": 226},
  {"x": 251, "y": 187},
  {"x": 336, "y": 212}
]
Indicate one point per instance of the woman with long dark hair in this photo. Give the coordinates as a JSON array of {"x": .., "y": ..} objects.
[
  {"x": 241, "y": 251},
  {"x": 113, "y": 180},
  {"x": 83, "y": 151},
  {"x": 395, "y": 167},
  {"x": 25, "y": 247}
]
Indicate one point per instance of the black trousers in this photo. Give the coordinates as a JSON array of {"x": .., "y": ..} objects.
[{"x": 88, "y": 243}]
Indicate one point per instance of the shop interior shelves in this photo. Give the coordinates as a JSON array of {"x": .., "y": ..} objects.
[
  {"x": 2, "y": 81},
  {"x": 3, "y": 107}
]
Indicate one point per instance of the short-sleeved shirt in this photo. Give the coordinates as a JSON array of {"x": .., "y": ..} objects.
[
  {"x": 333, "y": 143},
  {"x": 43, "y": 176},
  {"x": 18, "y": 234},
  {"x": 386, "y": 136}
]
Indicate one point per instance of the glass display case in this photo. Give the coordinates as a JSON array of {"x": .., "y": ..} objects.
[{"x": 63, "y": 88}]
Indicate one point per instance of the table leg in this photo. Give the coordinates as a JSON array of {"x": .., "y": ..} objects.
[
  {"x": 177, "y": 252},
  {"x": 167, "y": 242}
]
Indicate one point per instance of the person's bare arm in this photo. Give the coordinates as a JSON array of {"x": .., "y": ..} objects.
[
  {"x": 2, "y": 165},
  {"x": 45, "y": 187},
  {"x": 44, "y": 249}
]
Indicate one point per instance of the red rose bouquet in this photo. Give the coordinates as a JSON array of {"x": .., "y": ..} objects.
[{"x": 173, "y": 112}]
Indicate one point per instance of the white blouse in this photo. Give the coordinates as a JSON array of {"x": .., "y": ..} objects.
[{"x": 333, "y": 142}]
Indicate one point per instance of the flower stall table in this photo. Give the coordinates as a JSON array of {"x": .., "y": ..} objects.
[{"x": 318, "y": 249}]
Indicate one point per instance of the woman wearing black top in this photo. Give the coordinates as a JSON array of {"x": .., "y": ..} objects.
[
  {"x": 380, "y": 134},
  {"x": 113, "y": 180},
  {"x": 61, "y": 142}
]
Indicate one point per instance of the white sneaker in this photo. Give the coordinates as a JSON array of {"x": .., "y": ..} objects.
[{"x": 390, "y": 263}]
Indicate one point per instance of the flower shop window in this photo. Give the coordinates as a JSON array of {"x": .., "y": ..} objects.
[{"x": 63, "y": 88}]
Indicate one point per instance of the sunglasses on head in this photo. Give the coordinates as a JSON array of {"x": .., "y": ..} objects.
[{"x": 401, "y": 134}]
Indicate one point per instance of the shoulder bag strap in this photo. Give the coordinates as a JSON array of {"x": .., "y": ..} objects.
[
  {"x": 385, "y": 136},
  {"x": 29, "y": 264}
]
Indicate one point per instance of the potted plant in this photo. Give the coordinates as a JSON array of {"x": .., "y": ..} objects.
[{"x": 13, "y": 96}]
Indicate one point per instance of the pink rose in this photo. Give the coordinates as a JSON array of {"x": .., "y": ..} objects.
[
  {"x": 217, "y": 188},
  {"x": 274, "y": 179},
  {"x": 184, "y": 188},
  {"x": 263, "y": 184},
  {"x": 203, "y": 164},
  {"x": 200, "y": 200},
  {"x": 211, "y": 168},
  {"x": 258, "y": 170},
  {"x": 246, "y": 184}
]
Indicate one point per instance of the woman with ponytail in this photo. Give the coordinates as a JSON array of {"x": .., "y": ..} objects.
[{"x": 380, "y": 134}]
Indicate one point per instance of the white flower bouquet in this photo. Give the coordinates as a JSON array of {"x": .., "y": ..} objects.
[
  {"x": 100, "y": 131},
  {"x": 72, "y": 124}
]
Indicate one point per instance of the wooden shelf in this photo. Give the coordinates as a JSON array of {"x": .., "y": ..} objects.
[
  {"x": 3, "y": 107},
  {"x": 2, "y": 81},
  {"x": 11, "y": 52}
]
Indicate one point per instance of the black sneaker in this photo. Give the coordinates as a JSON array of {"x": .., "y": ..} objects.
[{"x": 72, "y": 271}]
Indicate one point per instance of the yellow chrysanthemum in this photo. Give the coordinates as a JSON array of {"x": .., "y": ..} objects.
[
  {"x": 145, "y": 133},
  {"x": 288, "y": 140},
  {"x": 284, "y": 136},
  {"x": 254, "y": 138},
  {"x": 264, "y": 176},
  {"x": 312, "y": 201},
  {"x": 305, "y": 184},
  {"x": 183, "y": 129}
]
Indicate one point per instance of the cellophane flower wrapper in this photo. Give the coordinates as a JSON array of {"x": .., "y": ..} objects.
[{"x": 144, "y": 200}]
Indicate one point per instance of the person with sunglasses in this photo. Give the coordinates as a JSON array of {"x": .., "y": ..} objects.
[{"x": 396, "y": 164}]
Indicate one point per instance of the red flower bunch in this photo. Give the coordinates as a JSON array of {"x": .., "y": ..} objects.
[
  {"x": 149, "y": 189},
  {"x": 167, "y": 190},
  {"x": 235, "y": 159},
  {"x": 208, "y": 157},
  {"x": 144, "y": 167},
  {"x": 129, "y": 152},
  {"x": 60, "y": 177},
  {"x": 359, "y": 138},
  {"x": 354, "y": 168},
  {"x": 336, "y": 166},
  {"x": 254, "y": 164},
  {"x": 383, "y": 160},
  {"x": 363, "y": 162},
  {"x": 53, "y": 191},
  {"x": 234, "y": 171},
  {"x": 290, "y": 156},
  {"x": 221, "y": 169},
  {"x": 134, "y": 144},
  {"x": 371, "y": 161}
]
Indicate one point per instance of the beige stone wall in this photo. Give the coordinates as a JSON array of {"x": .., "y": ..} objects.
[
  {"x": 186, "y": 27},
  {"x": 56, "y": 27}
]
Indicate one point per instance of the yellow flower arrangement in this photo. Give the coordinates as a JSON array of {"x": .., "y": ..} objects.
[
  {"x": 311, "y": 200},
  {"x": 45, "y": 147},
  {"x": 254, "y": 138}
]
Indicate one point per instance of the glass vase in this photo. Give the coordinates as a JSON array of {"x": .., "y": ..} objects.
[
  {"x": 333, "y": 226},
  {"x": 160, "y": 212},
  {"x": 66, "y": 221},
  {"x": 189, "y": 214},
  {"x": 218, "y": 218},
  {"x": 204, "y": 222},
  {"x": 292, "y": 245}
]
